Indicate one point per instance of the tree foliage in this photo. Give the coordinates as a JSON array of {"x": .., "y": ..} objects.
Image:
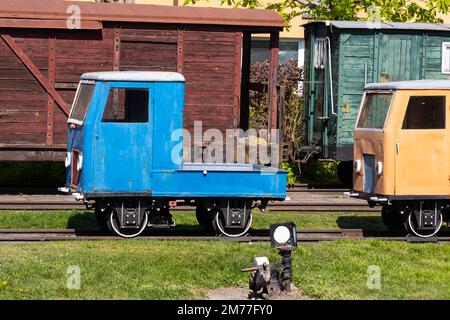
[{"x": 348, "y": 10}]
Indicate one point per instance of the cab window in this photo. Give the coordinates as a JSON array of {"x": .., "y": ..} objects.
[
  {"x": 126, "y": 105},
  {"x": 81, "y": 102},
  {"x": 374, "y": 110},
  {"x": 425, "y": 112}
]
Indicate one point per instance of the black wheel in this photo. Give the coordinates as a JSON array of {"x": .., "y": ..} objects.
[
  {"x": 101, "y": 217},
  {"x": 114, "y": 225},
  {"x": 205, "y": 218},
  {"x": 412, "y": 225},
  {"x": 393, "y": 220},
  {"x": 345, "y": 173},
  {"x": 234, "y": 231}
]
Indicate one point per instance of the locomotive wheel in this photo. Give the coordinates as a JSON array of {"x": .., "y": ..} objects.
[
  {"x": 114, "y": 226},
  {"x": 206, "y": 219},
  {"x": 393, "y": 220},
  {"x": 411, "y": 224},
  {"x": 231, "y": 232}
]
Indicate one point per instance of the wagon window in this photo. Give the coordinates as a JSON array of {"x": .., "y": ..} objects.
[
  {"x": 81, "y": 103},
  {"x": 445, "y": 58},
  {"x": 126, "y": 105},
  {"x": 374, "y": 110},
  {"x": 425, "y": 112}
]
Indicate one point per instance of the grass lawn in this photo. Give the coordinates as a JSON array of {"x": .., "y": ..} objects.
[
  {"x": 138, "y": 269},
  {"x": 178, "y": 269}
]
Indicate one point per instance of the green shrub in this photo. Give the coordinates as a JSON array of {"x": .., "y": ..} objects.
[
  {"x": 293, "y": 175},
  {"x": 314, "y": 172},
  {"x": 320, "y": 172}
]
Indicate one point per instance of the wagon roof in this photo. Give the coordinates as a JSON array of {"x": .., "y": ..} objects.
[
  {"x": 414, "y": 84},
  {"x": 383, "y": 25},
  {"x": 151, "y": 76},
  {"x": 93, "y": 11}
]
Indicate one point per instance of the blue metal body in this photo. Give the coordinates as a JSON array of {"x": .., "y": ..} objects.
[{"x": 132, "y": 159}]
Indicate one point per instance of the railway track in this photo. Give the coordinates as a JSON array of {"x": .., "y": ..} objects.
[
  {"x": 302, "y": 198},
  {"x": 294, "y": 206},
  {"x": 30, "y": 235},
  {"x": 303, "y": 236}
]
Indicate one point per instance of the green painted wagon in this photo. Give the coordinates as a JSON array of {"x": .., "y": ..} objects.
[{"x": 361, "y": 53}]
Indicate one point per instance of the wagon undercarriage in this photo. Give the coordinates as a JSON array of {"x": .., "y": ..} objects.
[
  {"x": 422, "y": 218},
  {"x": 129, "y": 217}
]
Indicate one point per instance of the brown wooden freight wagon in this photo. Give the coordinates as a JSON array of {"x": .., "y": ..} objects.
[{"x": 44, "y": 49}]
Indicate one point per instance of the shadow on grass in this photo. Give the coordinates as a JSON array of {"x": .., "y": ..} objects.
[
  {"x": 361, "y": 222},
  {"x": 87, "y": 220},
  {"x": 82, "y": 220}
]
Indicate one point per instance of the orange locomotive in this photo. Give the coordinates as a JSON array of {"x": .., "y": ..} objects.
[{"x": 401, "y": 154}]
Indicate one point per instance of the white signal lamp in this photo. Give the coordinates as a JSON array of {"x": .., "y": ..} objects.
[{"x": 283, "y": 235}]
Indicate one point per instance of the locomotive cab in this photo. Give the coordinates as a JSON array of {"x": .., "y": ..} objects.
[
  {"x": 401, "y": 154},
  {"x": 125, "y": 155}
]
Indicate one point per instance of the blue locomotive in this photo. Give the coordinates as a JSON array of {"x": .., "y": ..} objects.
[{"x": 121, "y": 148}]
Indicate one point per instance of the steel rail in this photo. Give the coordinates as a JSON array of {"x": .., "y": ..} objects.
[
  {"x": 303, "y": 236},
  {"x": 276, "y": 207}
]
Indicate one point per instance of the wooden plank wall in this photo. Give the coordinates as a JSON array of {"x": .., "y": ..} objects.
[
  {"x": 78, "y": 53},
  {"x": 144, "y": 50},
  {"x": 208, "y": 60},
  {"x": 356, "y": 51},
  {"x": 432, "y": 56},
  {"x": 23, "y": 103},
  {"x": 209, "y": 69}
]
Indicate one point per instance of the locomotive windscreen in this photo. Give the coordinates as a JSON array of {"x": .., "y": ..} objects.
[
  {"x": 81, "y": 103},
  {"x": 374, "y": 110}
]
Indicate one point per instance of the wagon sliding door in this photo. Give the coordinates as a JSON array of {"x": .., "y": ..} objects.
[
  {"x": 398, "y": 57},
  {"x": 147, "y": 49},
  {"x": 211, "y": 64}
]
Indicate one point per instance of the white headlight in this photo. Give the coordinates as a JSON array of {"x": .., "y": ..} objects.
[
  {"x": 281, "y": 234},
  {"x": 379, "y": 168},
  {"x": 357, "y": 166}
]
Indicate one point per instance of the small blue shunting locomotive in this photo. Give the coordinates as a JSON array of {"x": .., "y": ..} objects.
[{"x": 121, "y": 157}]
